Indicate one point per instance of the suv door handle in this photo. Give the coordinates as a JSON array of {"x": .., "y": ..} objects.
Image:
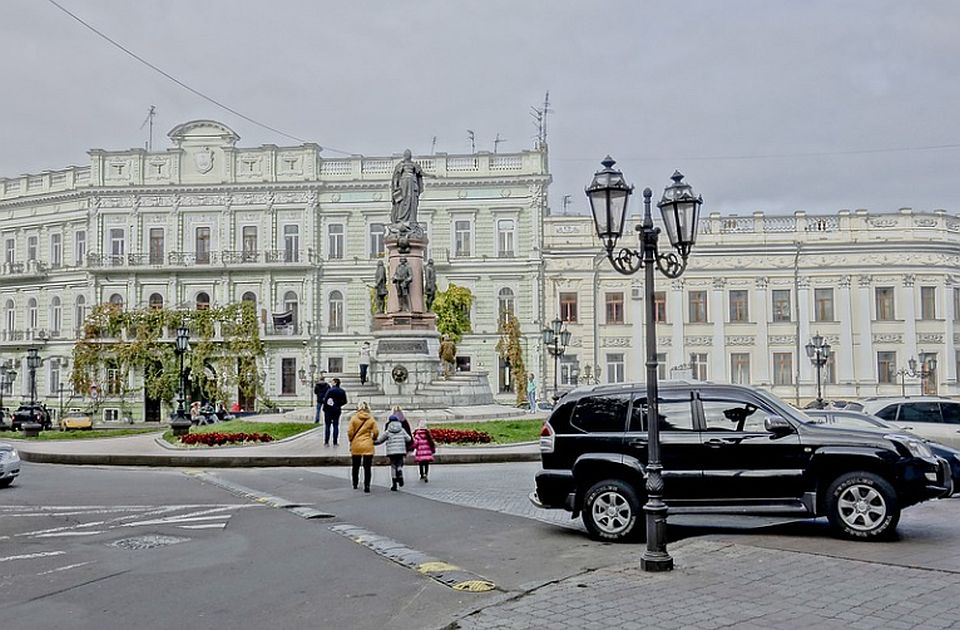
[
  {"x": 715, "y": 443},
  {"x": 638, "y": 442}
]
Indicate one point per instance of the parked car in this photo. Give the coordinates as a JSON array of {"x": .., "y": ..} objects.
[
  {"x": 726, "y": 449},
  {"x": 31, "y": 413},
  {"x": 76, "y": 420},
  {"x": 929, "y": 416},
  {"x": 9, "y": 465},
  {"x": 842, "y": 418}
]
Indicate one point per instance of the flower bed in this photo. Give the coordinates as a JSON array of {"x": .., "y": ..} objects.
[
  {"x": 460, "y": 436},
  {"x": 219, "y": 439}
]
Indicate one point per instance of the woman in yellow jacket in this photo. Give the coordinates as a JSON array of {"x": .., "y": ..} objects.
[{"x": 361, "y": 432}]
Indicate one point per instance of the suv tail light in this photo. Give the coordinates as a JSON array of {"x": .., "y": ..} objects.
[{"x": 546, "y": 438}]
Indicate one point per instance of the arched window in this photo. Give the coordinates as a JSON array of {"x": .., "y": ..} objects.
[
  {"x": 292, "y": 304},
  {"x": 249, "y": 296},
  {"x": 80, "y": 312},
  {"x": 32, "y": 314},
  {"x": 203, "y": 301},
  {"x": 10, "y": 315},
  {"x": 335, "y": 319},
  {"x": 117, "y": 299},
  {"x": 506, "y": 303},
  {"x": 156, "y": 301},
  {"x": 56, "y": 315}
]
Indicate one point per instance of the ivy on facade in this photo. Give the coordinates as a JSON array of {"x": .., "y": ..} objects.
[
  {"x": 510, "y": 350},
  {"x": 452, "y": 308}
]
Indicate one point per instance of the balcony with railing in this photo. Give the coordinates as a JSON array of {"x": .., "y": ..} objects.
[
  {"x": 24, "y": 271},
  {"x": 202, "y": 260}
]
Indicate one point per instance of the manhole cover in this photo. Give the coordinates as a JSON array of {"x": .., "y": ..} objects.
[{"x": 147, "y": 542}]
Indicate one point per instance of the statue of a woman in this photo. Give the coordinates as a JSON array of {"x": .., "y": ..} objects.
[{"x": 405, "y": 189}]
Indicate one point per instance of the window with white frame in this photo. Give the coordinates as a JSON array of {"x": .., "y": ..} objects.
[
  {"x": 118, "y": 243},
  {"x": 79, "y": 312},
  {"x": 10, "y": 251},
  {"x": 117, "y": 300},
  {"x": 740, "y": 368},
  {"x": 56, "y": 315},
  {"x": 616, "y": 368},
  {"x": 32, "y": 246},
  {"x": 781, "y": 305},
  {"x": 155, "y": 301},
  {"x": 33, "y": 315},
  {"x": 506, "y": 238},
  {"x": 249, "y": 243},
  {"x": 155, "y": 247},
  {"x": 288, "y": 376},
  {"x": 377, "y": 232},
  {"x": 335, "y": 312},
  {"x": 887, "y": 367},
  {"x": 462, "y": 237},
  {"x": 291, "y": 243},
  {"x": 506, "y": 303},
  {"x": 54, "y": 379},
  {"x": 10, "y": 315},
  {"x": 662, "y": 366},
  {"x": 80, "y": 246},
  {"x": 569, "y": 369},
  {"x": 613, "y": 302},
  {"x": 111, "y": 414},
  {"x": 698, "y": 365},
  {"x": 113, "y": 379},
  {"x": 928, "y": 302},
  {"x": 782, "y": 368},
  {"x": 56, "y": 250},
  {"x": 203, "y": 245},
  {"x": 335, "y": 241},
  {"x": 291, "y": 304}
]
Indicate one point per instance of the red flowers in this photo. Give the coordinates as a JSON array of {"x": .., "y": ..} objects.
[
  {"x": 453, "y": 436},
  {"x": 219, "y": 439}
]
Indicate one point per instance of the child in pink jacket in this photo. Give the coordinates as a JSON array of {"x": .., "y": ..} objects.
[{"x": 423, "y": 449}]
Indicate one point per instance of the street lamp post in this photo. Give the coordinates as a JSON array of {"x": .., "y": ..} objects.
[
  {"x": 818, "y": 350},
  {"x": 680, "y": 209},
  {"x": 556, "y": 338},
  {"x": 180, "y": 424},
  {"x": 926, "y": 371},
  {"x": 33, "y": 362}
]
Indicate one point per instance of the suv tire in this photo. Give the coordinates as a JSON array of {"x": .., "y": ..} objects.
[
  {"x": 611, "y": 511},
  {"x": 862, "y": 506}
]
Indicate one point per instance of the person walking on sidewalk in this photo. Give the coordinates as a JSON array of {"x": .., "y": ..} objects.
[
  {"x": 398, "y": 412},
  {"x": 423, "y": 449},
  {"x": 397, "y": 440},
  {"x": 333, "y": 403},
  {"x": 364, "y": 361},
  {"x": 532, "y": 392},
  {"x": 362, "y": 432},
  {"x": 320, "y": 393}
]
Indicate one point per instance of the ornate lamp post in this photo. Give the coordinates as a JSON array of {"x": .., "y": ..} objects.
[
  {"x": 818, "y": 350},
  {"x": 180, "y": 424},
  {"x": 33, "y": 362},
  {"x": 926, "y": 371},
  {"x": 312, "y": 374},
  {"x": 680, "y": 209},
  {"x": 556, "y": 338}
]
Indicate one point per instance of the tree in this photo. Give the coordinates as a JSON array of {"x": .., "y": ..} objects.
[
  {"x": 452, "y": 307},
  {"x": 510, "y": 350}
]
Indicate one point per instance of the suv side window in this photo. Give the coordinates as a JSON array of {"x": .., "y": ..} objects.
[
  {"x": 675, "y": 415},
  {"x": 920, "y": 412},
  {"x": 601, "y": 414},
  {"x": 951, "y": 412},
  {"x": 734, "y": 415},
  {"x": 888, "y": 413}
]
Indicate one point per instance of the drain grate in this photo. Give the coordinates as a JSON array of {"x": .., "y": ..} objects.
[{"x": 139, "y": 543}]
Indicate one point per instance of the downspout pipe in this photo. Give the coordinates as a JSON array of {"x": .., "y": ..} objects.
[{"x": 796, "y": 311}]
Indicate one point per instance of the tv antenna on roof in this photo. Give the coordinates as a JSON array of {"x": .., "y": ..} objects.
[
  {"x": 473, "y": 140},
  {"x": 149, "y": 121},
  {"x": 497, "y": 141},
  {"x": 540, "y": 119}
]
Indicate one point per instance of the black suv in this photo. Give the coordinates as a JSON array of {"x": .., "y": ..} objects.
[{"x": 726, "y": 449}]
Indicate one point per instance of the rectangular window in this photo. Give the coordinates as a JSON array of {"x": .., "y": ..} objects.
[
  {"x": 615, "y": 367},
  {"x": 956, "y": 305},
  {"x": 660, "y": 307},
  {"x": 10, "y": 251},
  {"x": 569, "y": 369},
  {"x": 32, "y": 248},
  {"x": 928, "y": 302},
  {"x": 117, "y": 242},
  {"x": 506, "y": 234},
  {"x": 461, "y": 238},
  {"x": 288, "y": 376},
  {"x": 111, "y": 415},
  {"x": 740, "y": 368},
  {"x": 291, "y": 243},
  {"x": 568, "y": 307},
  {"x": 698, "y": 366},
  {"x": 781, "y": 305},
  {"x": 80, "y": 247},
  {"x": 739, "y": 310},
  {"x": 830, "y": 370},
  {"x": 335, "y": 365},
  {"x": 113, "y": 380},
  {"x": 662, "y": 366},
  {"x": 698, "y": 307},
  {"x": 377, "y": 232},
  {"x": 887, "y": 367},
  {"x": 56, "y": 250},
  {"x": 614, "y": 303},
  {"x": 885, "y": 309},
  {"x": 823, "y": 305},
  {"x": 156, "y": 246},
  {"x": 203, "y": 246},
  {"x": 335, "y": 241},
  {"x": 249, "y": 245},
  {"x": 54, "y": 375},
  {"x": 782, "y": 368}
]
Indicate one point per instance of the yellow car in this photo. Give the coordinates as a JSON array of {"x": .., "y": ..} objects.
[{"x": 76, "y": 420}]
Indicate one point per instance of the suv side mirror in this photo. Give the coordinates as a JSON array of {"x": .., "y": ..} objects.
[{"x": 777, "y": 425}]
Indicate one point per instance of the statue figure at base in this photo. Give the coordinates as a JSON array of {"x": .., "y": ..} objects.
[
  {"x": 429, "y": 284},
  {"x": 405, "y": 188},
  {"x": 380, "y": 289},
  {"x": 402, "y": 278},
  {"x": 448, "y": 356}
]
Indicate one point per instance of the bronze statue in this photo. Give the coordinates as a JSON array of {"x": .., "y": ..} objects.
[
  {"x": 405, "y": 189},
  {"x": 448, "y": 355},
  {"x": 380, "y": 302},
  {"x": 429, "y": 284},
  {"x": 402, "y": 278}
]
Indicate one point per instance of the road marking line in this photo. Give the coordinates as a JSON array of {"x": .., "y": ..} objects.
[
  {"x": 69, "y": 566},
  {"x": 174, "y": 520},
  {"x": 259, "y": 497},
  {"x": 62, "y": 534},
  {"x": 31, "y": 556},
  {"x": 205, "y": 526}
]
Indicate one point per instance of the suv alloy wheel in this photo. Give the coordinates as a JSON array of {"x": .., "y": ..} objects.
[
  {"x": 612, "y": 511},
  {"x": 862, "y": 505}
]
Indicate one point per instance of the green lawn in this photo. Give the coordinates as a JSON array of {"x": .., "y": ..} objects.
[
  {"x": 278, "y": 430},
  {"x": 503, "y": 431},
  {"x": 56, "y": 434}
]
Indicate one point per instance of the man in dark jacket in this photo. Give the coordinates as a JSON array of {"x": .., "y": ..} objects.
[
  {"x": 320, "y": 394},
  {"x": 333, "y": 402}
]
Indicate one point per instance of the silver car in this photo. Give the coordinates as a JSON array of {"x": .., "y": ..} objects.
[{"x": 9, "y": 465}]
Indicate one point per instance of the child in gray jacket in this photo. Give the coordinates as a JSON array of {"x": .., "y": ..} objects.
[{"x": 397, "y": 439}]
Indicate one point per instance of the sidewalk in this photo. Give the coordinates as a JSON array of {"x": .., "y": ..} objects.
[{"x": 723, "y": 585}]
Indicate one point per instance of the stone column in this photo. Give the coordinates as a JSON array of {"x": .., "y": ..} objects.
[
  {"x": 718, "y": 371},
  {"x": 759, "y": 361},
  {"x": 908, "y": 311},
  {"x": 803, "y": 307},
  {"x": 675, "y": 314},
  {"x": 866, "y": 366},
  {"x": 844, "y": 354},
  {"x": 950, "y": 315}
]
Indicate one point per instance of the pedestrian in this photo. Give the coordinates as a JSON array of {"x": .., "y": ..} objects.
[
  {"x": 334, "y": 400},
  {"x": 424, "y": 449},
  {"x": 364, "y": 361},
  {"x": 532, "y": 392},
  {"x": 398, "y": 412},
  {"x": 195, "y": 412},
  {"x": 362, "y": 432},
  {"x": 397, "y": 439},
  {"x": 320, "y": 393}
]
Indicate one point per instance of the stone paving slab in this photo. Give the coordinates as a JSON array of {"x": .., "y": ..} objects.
[{"x": 723, "y": 585}]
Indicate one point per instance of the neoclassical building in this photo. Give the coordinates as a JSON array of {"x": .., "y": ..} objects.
[
  {"x": 881, "y": 288},
  {"x": 206, "y": 222}
]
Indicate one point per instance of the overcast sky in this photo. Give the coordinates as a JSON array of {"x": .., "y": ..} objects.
[{"x": 764, "y": 105}]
